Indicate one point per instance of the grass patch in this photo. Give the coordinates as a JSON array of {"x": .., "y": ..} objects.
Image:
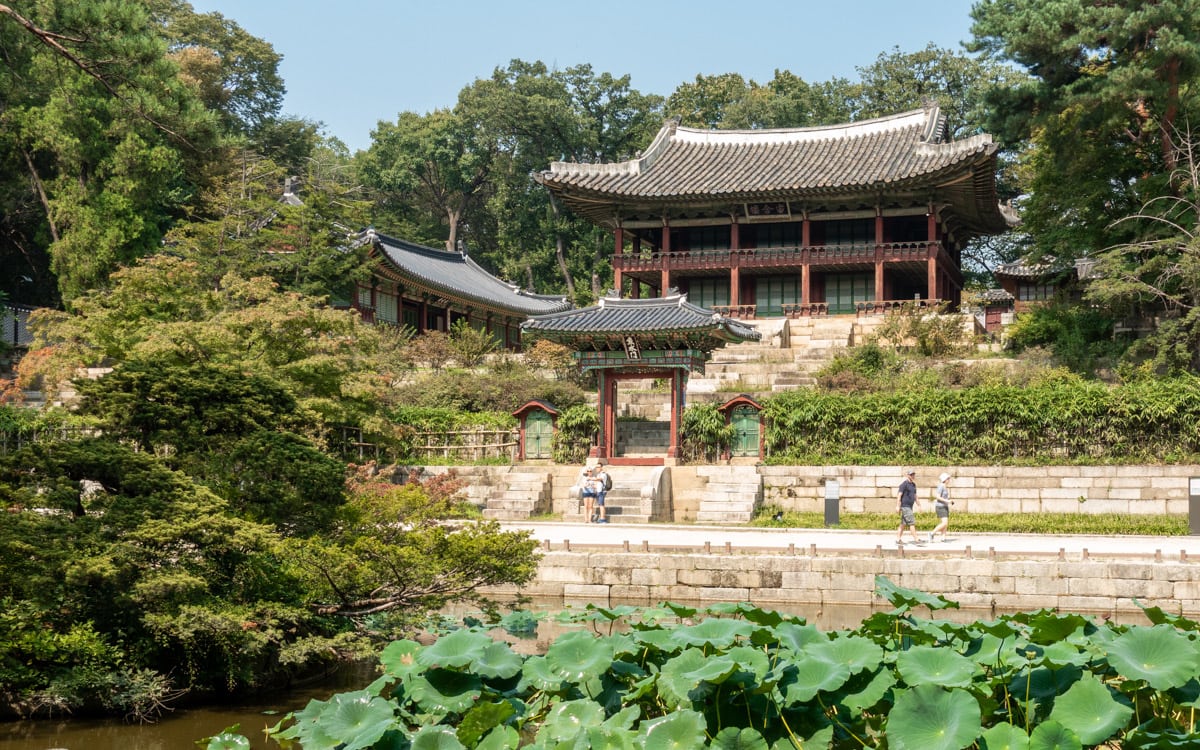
[{"x": 990, "y": 523}]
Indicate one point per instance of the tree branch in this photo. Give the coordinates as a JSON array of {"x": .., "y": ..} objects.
[{"x": 51, "y": 40}]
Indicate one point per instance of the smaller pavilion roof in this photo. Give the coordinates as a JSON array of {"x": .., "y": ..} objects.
[
  {"x": 670, "y": 320},
  {"x": 455, "y": 275}
]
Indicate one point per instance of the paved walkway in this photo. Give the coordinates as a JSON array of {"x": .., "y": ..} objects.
[{"x": 743, "y": 539}]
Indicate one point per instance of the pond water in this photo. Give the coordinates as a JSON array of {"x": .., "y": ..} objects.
[{"x": 180, "y": 729}]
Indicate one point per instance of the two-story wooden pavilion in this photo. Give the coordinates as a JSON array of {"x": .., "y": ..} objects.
[{"x": 796, "y": 221}]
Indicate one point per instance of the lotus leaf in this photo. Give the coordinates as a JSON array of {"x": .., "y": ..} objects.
[
  {"x": 399, "y": 658},
  {"x": 228, "y": 740},
  {"x": 1044, "y": 683},
  {"x": 1050, "y": 735},
  {"x": 716, "y": 633},
  {"x": 1048, "y": 626},
  {"x": 869, "y": 694},
  {"x": 612, "y": 613},
  {"x": 1188, "y": 694},
  {"x": 676, "y": 685},
  {"x": 358, "y": 721},
  {"x": 715, "y": 669},
  {"x": 998, "y": 628},
  {"x": 1064, "y": 652},
  {"x": 856, "y": 652},
  {"x": 737, "y": 738},
  {"x": 458, "y": 649},
  {"x": 1089, "y": 709},
  {"x": 751, "y": 660},
  {"x": 928, "y": 717},
  {"x": 444, "y": 691},
  {"x": 679, "y": 610},
  {"x": 500, "y": 738},
  {"x": 659, "y": 640},
  {"x": 928, "y": 665},
  {"x": 482, "y": 718},
  {"x": 1157, "y": 616},
  {"x": 794, "y": 636},
  {"x": 680, "y": 730},
  {"x": 607, "y": 737},
  {"x": 815, "y": 669},
  {"x": 521, "y": 623},
  {"x": 497, "y": 661},
  {"x": 989, "y": 650},
  {"x": 1004, "y": 736},
  {"x": 1167, "y": 739},
  {"x": 579, "y": 656},
  {"x": 1160, "y": 655},
  {"x": 537, "y": 674},
  {"x": 568, "y": 719},
  {"x": 909, "y": 598},
  {"x": 436, "y": 738}
]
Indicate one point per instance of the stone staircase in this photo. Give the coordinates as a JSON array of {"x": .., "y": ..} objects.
[
  {"x": 519, "y": 493},
  {"x": 637, "y": 496},
  {"x": 731, "y": 494}
]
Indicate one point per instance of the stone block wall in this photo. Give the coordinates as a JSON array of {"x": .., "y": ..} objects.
[
  {"x": 989, "y": 489},
  {"x": 781, "y": 581}
]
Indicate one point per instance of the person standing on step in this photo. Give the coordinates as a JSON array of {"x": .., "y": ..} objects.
[
  {"x": 603, "y": 484},
  {"x": 941, "y": 504},
  {"x": 906, "y": 502}
]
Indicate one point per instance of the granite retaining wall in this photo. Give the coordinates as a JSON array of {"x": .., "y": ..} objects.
[{"x": 783, "y": 580}]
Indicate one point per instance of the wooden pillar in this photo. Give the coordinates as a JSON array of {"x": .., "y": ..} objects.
[
  {"x": 879, "y": 294},
  {"x": 618, "y": 249},
  {"x": 806, "y": 262},
  {"x": 735, "y": 283},
  {"x": 931, "y": 280},
  {"x": 665, "y": 257},
  {"x": 636, "y": 292},
  {"x": 422, "y": 316},
  {"x": 678, "y": 388}
]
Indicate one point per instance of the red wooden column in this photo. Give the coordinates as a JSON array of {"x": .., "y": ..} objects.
[
  {"x": 931, "y": 263},
  {"x": 878, "y": 257},
  {"x": 618, "y": 249},
  {"x": 678, "y": 386},
  {"x": 607, "y": 401},
  {"x": 665, "y": 258},
  {"x": 735, "y": 272},
  {"x": 806, "y": 263}
]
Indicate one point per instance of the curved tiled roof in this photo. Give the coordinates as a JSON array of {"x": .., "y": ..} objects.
[
  {"x": 687, "y": 164},
  {"x": 661, "y": 317},
  {"x": 456, "y": 276}
]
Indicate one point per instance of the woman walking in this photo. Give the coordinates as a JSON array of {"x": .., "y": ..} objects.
[{"x": 941, "y": 505}]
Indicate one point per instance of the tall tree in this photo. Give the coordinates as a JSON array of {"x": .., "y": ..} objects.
[
  {"x": 427, "y": 166},
  {"x": 1108, "y": 89},
  {"x": 97, "y": 125},
  {"x": 530, "y": 116}
]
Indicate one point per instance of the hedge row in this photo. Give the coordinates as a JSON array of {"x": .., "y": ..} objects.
[{"x": 1060, "y": 422}]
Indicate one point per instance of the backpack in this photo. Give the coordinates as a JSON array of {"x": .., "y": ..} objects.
[{"x": 607, "y": 481}]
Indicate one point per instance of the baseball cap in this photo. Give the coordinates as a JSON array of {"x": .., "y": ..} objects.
[
  {"x": 943, "y": 477},
  {"x": 909, "y": 472}
]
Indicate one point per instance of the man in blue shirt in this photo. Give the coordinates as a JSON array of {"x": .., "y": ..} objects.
[{"x": 906, "y": 502}]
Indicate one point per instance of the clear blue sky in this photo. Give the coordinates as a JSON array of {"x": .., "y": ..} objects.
[{"x": 352, "y": 63}]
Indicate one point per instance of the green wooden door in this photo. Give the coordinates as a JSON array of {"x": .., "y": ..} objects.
[
  {"x": 539, "y": 430},
  {"x": 745, "y": 431}
]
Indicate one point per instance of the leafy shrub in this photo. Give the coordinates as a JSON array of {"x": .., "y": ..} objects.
[
  {"x": 483, "y": 392},
  {"x": 573, "y": 440},
  {"x": 930, "y": 332},
  {"x": 1080, "y": 338},
  {"x": 548, "y": 355},
  {"x": 431, "y": 348},
  {"x": 703, "y": 433},
  {"x": 469, "y": 344}
]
